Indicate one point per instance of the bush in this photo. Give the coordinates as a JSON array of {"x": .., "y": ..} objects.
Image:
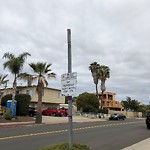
[
  {"x": 23, "y": 101},
  {"x": 5, "y": 99},
  {"x": 104, "y": 111},
  {"x": 65, "y": 146},
  {"x": 8, "y": 115}
]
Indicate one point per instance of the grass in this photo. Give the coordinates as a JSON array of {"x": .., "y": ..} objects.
[{"x": 65, "y": 146}]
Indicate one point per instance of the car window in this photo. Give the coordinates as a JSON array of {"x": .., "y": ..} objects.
[
  {"x": 114, "y": 114},
  {"x": 54, "y": 108}
]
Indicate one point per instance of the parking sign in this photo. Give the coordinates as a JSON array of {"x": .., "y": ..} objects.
[{"x": 68, "y": 84}]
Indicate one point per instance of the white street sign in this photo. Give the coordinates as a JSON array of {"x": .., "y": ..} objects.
[{"x": 68, "y": 84}]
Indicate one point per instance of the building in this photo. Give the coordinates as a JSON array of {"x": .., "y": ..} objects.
[
  {"x": 109, "y": 101},
  {"x": 51, "y": 96}
]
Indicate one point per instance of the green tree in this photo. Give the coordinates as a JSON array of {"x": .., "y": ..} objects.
[
  {"x": 130, "y": 104},
  {"x": 3, "y": 80},
  {"x": 88, "y": 102},
  {"x": 15, "y": 65},
  {"x": 41, "y": 69},
  {"x": 104, "y": 73},
  {"x": 94, "y": 67}
]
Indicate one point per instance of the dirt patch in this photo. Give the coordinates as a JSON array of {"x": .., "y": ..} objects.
[{"x": 17, "y": 119}]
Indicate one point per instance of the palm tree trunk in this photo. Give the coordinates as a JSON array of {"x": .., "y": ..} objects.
[
  {"x": 103, "y": 88},
  {"x": 13, "y": 95},
  {"x": 96, "y": 91},
  {"x": 39, "y": 105},
  {"x": 102, "y": 99}
]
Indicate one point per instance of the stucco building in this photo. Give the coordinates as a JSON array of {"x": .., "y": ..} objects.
[
  {"x": 109, "y": 101},
  {"x": 51, "y": 96}
]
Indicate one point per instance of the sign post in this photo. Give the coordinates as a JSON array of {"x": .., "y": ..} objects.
[{"x": 68, "y": 83}]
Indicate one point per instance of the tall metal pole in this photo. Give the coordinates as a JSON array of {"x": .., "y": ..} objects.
[{"x": 70, "y": 97}]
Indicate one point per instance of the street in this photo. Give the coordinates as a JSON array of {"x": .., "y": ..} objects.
[{"x": 105, "y": 135}]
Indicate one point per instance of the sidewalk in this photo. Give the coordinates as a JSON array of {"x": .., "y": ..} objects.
[
  {"x": 57, "y": 120},
  {"x": 143, "y": 145}
]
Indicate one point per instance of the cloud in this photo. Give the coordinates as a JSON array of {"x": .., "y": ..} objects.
[{"x": 113, "y": 33}]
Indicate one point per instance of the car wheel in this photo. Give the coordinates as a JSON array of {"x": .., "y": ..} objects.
[
  {"x": 54, "y": 114},
  {"x": 148, "y": 126},
  {"x": 31, "y": 115}
]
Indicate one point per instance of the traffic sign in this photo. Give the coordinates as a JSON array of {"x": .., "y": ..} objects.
[{"x": 68, "y": 84}]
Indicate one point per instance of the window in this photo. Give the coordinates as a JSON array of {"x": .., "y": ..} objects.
[{"x": 29, "y": 92}]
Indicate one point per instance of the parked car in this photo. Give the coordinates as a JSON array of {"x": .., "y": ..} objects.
[
  {"x": 148, "y": 119},
  {"x": 32, "y": 111},
  {"x": 53, "y": 111},
  {"x": 117, "y": 117}
]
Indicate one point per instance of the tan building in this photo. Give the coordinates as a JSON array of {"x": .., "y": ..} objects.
[
  {"x": 51, "y": 96},
  {"x": 110, "y": 102}
]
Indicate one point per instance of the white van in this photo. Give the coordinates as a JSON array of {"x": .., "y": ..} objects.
[{"x": 66, "y": 106}]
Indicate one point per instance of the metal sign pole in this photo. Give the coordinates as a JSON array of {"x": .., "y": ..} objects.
[{"x": 70, "y": 97}]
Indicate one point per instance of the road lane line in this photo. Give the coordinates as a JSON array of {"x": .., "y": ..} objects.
[{"x": 61, "y": 131}]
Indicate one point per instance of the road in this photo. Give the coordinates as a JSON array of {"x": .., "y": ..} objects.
[{"x": 105, "y": 135}]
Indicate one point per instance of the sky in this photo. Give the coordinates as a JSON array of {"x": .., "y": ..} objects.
[{"x": 114, "y": 33}]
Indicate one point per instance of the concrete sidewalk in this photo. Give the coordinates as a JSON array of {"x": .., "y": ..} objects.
[
  {"x": 143, "y": 145},
  {"x": 57, "y": 120}
]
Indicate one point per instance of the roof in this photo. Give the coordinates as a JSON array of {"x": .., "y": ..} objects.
[{"x": 33, "y": 86}]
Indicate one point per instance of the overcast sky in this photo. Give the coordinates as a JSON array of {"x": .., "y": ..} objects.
[{"x": 115, "y": 33}]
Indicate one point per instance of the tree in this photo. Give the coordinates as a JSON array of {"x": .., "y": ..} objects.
[
  {"x": 27, "y": 77},
  {"x": 94, "y": 67},
  {"x": 15, "y": 65},
  {"x": 103, "y": 74},
  {"x": 3, "y": 80},
  {"x": 130, "y": 104},
  {"x": 41, "y": 69},
  {"x": 88, "y": 102}
]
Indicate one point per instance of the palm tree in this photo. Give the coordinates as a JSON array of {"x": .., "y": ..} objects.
[
  {"x": 104, "y": 73},
  {"x": 27, "y": 77},
  {"x": 41, "y": 69},
  {"x": 15, "y": 65},
  {"x": 94, "y": 70},
  {"x": 3, "y": 80}
]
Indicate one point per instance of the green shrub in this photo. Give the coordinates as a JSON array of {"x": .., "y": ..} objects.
[
  {"x": 65, "y": 146},
  {"x": 23, "y": 101},
  {"x": 5, "y": 99},
  {"x": 104, "y": 111},
  {"x": 8, "y": 115}
]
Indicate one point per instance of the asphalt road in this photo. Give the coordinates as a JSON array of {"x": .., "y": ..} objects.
[{"x": 104, "y": 135}]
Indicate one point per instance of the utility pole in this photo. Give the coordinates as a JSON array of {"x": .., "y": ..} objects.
[{"x": 70, "y": 97}]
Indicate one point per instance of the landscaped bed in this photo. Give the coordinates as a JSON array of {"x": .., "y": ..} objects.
[{"x": 65, "y": 146}]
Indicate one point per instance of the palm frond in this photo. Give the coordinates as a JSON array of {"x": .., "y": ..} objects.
[{"x": 8, "y": 55}]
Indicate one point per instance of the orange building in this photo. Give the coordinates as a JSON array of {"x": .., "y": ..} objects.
[{"x": 109, "y": 102}]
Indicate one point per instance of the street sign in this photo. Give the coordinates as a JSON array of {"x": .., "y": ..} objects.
[{"x": 68, "y": 84}]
